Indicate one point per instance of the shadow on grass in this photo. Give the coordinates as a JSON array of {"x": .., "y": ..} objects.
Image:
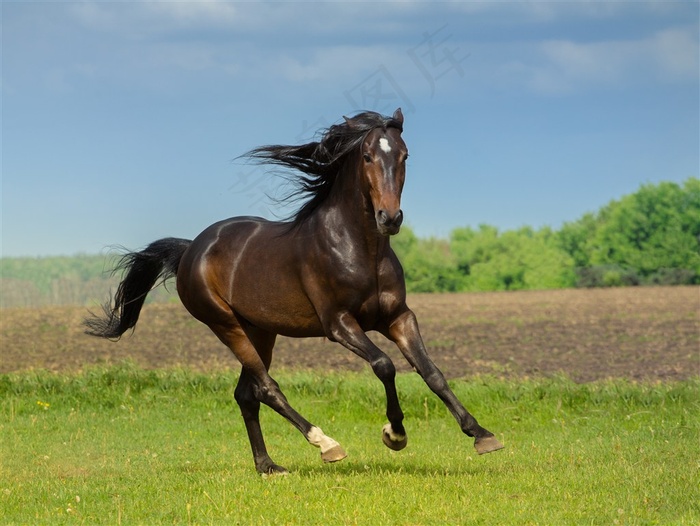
[{"x": 411, "y": 467}]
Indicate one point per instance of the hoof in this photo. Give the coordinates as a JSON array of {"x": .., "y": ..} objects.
[
  {"x": 487, "y": 445},
  {"x": 334, "y": 454},
  {"x": 271, "y": 469},
  {"x": 392, "y": 440}
]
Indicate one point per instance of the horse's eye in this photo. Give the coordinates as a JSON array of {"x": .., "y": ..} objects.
[{"x": 367, "y": 157}]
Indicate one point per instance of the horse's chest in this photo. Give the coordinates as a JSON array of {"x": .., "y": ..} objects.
[
  {"x": 361, "y": 298},
  {"x": 348, "y": 281},
  {"x": 368, "y": 313}
]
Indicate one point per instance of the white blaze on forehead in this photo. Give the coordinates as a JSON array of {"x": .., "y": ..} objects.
[{"x": 384, "y": 145}]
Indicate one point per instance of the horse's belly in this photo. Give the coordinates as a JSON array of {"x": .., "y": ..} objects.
[
  {"x": 281, "y": 315},
  {"x": 272, "y": 297}
]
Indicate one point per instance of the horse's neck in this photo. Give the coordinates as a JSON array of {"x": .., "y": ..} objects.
[{"x": 347, "y": 219}]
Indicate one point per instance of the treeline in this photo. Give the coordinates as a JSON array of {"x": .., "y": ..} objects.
[
  {"x": 646, "y": 238},
  {"x": 60, "y": 280},
  {"x": 651, "y": 237}
]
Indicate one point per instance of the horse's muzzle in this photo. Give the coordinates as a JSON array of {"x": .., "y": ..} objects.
[{"x": 388, "y": 224}]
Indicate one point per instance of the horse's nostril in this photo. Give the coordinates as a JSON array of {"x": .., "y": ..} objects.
[{"x": 385, "y": 220}]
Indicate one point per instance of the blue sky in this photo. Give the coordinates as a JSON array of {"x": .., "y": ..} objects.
[{"x": 121, "y": 121}]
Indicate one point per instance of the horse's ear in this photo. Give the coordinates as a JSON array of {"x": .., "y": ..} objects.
[
  {"x": 350, "y": 121},
  {"x": 398, "y": 116}
]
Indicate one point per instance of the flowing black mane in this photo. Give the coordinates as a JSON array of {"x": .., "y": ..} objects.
[{"x": 317, "y": 164}]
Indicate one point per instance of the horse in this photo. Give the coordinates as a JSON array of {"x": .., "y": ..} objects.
[{"x": 326, "y": 271}]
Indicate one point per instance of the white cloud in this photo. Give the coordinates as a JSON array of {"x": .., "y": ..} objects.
[
  {"x": 140, "y": 43},
  {"x": 147, "y": 18},
  {"x": 676, "y": 52},
  {"x": 335, "y": 62},
  {"x": 273, "y": 41},
  {"x": 570, "y": 64},
  {"x": 197, "y": 12},
  {"x": 562, "y": 66}
]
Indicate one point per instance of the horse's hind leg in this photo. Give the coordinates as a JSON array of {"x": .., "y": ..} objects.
[
  {"x": 250, "y": 410},
  {"x": 267, "y": 391},
  {"x": 253, "y": 350}
]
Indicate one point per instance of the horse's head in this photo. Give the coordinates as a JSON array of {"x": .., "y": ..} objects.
[{"x": 383, "y": 168}]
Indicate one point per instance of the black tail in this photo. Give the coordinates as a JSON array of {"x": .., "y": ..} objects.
[{"x": 159, "y": 260}]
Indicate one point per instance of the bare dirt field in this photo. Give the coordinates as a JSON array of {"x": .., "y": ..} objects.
[{"x": 636, "y": 333}]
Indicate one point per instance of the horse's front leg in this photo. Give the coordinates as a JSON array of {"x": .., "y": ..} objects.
[
  {"x": 345, "y": 330},
  {"x": 404, "y": 332}
]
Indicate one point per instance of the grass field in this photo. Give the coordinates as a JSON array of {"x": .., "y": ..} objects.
[{"x": 123, "y": 445}]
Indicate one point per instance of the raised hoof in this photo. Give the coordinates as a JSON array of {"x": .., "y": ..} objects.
[
  {"x": 334, "y": 454},
  {"x": 397, "y": 443},
  {"x": 487, "y": 445}
]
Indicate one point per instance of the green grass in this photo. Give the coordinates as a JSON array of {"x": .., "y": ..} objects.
[{"x": 122, "y": 445}]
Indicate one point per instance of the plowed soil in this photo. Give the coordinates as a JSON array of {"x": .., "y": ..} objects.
[{"x": 635, "y": 333}]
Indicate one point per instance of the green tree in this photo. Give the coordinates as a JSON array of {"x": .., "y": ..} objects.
[
  {"x": 575, "y": 238},
  {"x": 404, "y": 242},
  {"x": 514, "y": 260},
  {"x": 656, "y": 228},
  {"x": 429, "y": 265}
]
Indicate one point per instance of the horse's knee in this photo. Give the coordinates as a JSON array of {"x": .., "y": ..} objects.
[
  {"x": 242, "y": 393},
  {"x": 244, "y": 399},
  {"x": 260, "y": 392},
  {"x": 269, "y": 394},
  {"x": 436, "y": 381},
  {"x": 248, "y": 404},
  {"x": 384, "y": 368}
]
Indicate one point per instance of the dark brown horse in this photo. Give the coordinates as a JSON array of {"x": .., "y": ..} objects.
[{"x": 330, "y": 271}]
